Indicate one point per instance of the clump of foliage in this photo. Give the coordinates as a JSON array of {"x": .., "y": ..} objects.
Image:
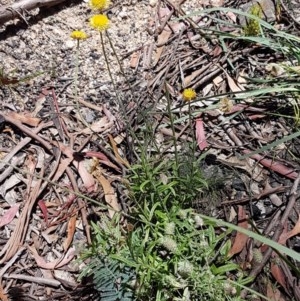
[
  {"x": 253, "y": 27},
  {"x": 163, "y": 250}
]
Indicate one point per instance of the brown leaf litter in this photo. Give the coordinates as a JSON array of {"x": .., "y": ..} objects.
[{"x": 50, "y": 159}]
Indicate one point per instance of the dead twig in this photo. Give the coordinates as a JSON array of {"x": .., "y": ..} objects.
[
  {"x": 9, "y": 12},
  {"x": 278, "y": 229}
]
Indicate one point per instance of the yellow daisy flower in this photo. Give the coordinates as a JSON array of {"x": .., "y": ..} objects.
[
  {"x": 78, "y": 35},
  {"x": 189, "y": 94},
  {"x": 99, "y": 22},
  {"x": 99, "y": 4}
]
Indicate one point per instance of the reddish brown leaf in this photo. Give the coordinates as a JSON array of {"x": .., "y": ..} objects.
[
  {"x": 32, "y": 121},
  {"x": 278, "y": 274},
  {"x": 103, "y": 159},
  {"x": 275, "y": 166},
  {"x": 9, "y": 215},
  {"x": 44, "y": 210},
  {"x": 200, "y": 134},
  {"x": 296, "y": 230},
  {"x": 4, "y": 80},
  {"x": 3, "y": 296},
  {"x": 70, "y": 232},
  {"x": 240, "y": 239}
]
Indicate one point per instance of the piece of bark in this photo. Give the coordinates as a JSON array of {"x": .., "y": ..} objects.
[{"x": 17, "y": 9}]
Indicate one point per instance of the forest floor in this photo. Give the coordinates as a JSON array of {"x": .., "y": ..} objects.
[{"x": 62, "y": 115}]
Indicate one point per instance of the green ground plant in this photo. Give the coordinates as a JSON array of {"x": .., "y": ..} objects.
[
  {"x": 166, "y": 251},
  {"x": 162, "y": 249},
  {"x": 252, "y": 28}
]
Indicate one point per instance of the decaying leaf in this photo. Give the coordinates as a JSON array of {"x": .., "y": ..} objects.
[
  {"x": 109, "y": 193},
  {"x": 278, "y": 274},
  {"x": 9, "y": 215},
  {"x": 26, "y": 119},
  {"x": 98, "y": 127},
  {"x": 58, "y": 263},
  {"x": 70, "y": 232},
  {"x": 240, "y": 239},
  {"x": 3, "y": 295},
  {"x": 200, "y": 134},
  {"x": 162, "y": 39},
  {"x": 116, "y": 152},
  {"x": 254, "y": 170},
  {"x": 44, "y": 210}
]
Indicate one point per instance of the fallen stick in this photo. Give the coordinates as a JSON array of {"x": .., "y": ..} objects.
[{"x": 18, "y": 9}]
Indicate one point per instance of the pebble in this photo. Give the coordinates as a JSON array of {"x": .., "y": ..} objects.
[{"x": 69, "y": 44}]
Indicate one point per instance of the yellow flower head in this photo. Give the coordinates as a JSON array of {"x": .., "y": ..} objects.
[
  {"x": 78, "y": 35},
  {"x": 189, "y": 94},
  {"x": 99, "y": 22},
  {"x": 99, "y": 4}
]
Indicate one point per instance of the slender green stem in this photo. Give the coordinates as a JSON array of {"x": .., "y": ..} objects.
[{"x": 193, "y": 146}]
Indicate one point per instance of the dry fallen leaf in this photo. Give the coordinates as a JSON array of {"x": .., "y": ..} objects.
[
  {"x": 200, "y": 134},
  {"x": 162, "y": 39},
  {"x": 70, "y": 232},
  {"x": 32, "y": 121},
  {"x": 233, "y": 85},
  {"x": 98, "y": 127},
  {"x": 240, "y": 239},
  {"x": 3, "y": 295},
  {"x": 278, "y": 274},
  {"x": 58, "y": 263},
  {"x": 278, "y": 167},
  {"x": 134, "y": 60},
  {"x": 109, "y": 193},
  {"x": 87, "y": 178},
  {"x": 9, "y": 215},
  {"x": 116, "y": 152}
]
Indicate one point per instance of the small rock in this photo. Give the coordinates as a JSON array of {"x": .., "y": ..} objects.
[
  {"x": 69, "y": 44},
  {"x": 268, "y": 10},
  {"x": 153, "y": 3}
]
